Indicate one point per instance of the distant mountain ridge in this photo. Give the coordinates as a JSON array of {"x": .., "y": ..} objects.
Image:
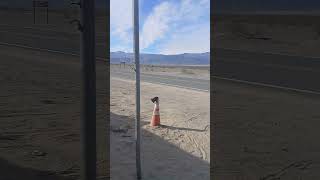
[{"x": 161, "y": 59}]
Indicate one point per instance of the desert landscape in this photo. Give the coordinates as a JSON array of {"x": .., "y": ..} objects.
[
  {"x": 177, "y": 149},
  {"x": 261, "y": 131},
  {"x": 40, "y": 116},
  {"x": 40, "y": 140},
  {"x": 41, "y": 98},
  {"x": 43, "y": 138},
  {"x": 199, "y": 72},
  {"x": 40, "y": 111}
]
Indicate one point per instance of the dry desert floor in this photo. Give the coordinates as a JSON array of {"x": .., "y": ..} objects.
[{"x": 178, "y": 149}]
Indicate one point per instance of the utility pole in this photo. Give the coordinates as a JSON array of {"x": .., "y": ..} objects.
[
  {"x": 136, "y": 57},
  {"x": 88, "y": 125}
]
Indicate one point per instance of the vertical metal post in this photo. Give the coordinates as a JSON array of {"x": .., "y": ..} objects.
[
  {"x": 88, "y": 128},
  {"x": 136, "y": 57}
]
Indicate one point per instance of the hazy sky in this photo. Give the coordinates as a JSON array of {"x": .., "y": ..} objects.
[{"x": 166, "y": 26}]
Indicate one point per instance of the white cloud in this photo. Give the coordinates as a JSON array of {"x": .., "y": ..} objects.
[
  {"x": 192, "y": 10},
  {"x": 189, "y": 41},
  {"x": 169, "y": 21},
  {"x": 175, "y": 26},
  {"x": 157, "y": 23},
  {"x": 121, "y": 19}
]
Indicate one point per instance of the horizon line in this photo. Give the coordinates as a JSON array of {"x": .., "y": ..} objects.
[{"x": 162, "y": 53}]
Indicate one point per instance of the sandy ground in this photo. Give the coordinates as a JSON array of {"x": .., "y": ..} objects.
[
  {"x": 264, "y": 133},
  {"x": 258, "y": 133},
  {"x": 40, "y": 129},
  {"x": 40, "y": 116},
  {"x": 179, "y": 149},
  {"x": 198, "y": 72}
]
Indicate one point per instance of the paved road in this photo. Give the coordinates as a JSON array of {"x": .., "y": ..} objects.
[
  {"x": 184, "y": 82},
  {"x": 68, "y": 42},
  {"x": 274, "y": 69}
]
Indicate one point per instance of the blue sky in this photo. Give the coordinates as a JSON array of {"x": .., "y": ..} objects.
[{"x": 166, "y": 26}]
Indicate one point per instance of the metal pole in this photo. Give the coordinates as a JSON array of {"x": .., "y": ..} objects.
[
  {"x": 88, "y": 129},
  {"x": 136, "y": 57}
]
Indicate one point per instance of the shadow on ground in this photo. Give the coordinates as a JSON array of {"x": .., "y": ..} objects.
[
  {"x": 11, "y": 171},
  {"x": 181, "y": 128},
  {"x": 160, "y": 159}
]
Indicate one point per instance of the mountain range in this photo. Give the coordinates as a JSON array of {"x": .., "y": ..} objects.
[{"x": 161, "y": 59}]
